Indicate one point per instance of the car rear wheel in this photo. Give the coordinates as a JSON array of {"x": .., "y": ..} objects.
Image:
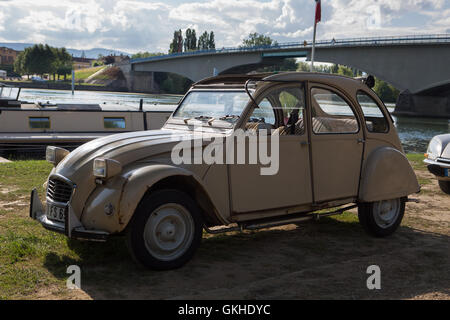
[
  {"x": 165, "y": 231},
  {"x": 381, "y": 218},
  {"x": 445, "y": 186}
]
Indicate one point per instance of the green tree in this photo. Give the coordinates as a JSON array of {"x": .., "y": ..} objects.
[
  {"x": 345, "y": 71},
  {"x": 172, "y": 83},
  {"x": 284, "y": 65},
  {"x": 303, "y": 66},
  {"x": 19, "y": 66},
  {"x": 146, "y": 55},
  {"x": 177, "y": 42},
  {"x": 385, "y": 91},
  {"x": 43, "y": 59},
  {"x": 211, "y": 42},
  {"x": 334, "y": 68},
  {"x": 203, "y": 41},
  {"x": 190, "y": 41},
  {"x": 64, "y": 63},
  {"x": 255, "y": 40}
]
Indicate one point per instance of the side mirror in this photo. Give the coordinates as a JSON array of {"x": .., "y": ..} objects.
[{"x": 370, "y": 81}]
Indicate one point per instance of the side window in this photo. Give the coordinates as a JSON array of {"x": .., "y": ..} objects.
[
  {"x": 264, "y": 113},
  {"x": 281, "y": 109},
  {"x": 331, "y": 113},
  {"x": 293, "y": 106},
  {"x": 373, "y": 116}
]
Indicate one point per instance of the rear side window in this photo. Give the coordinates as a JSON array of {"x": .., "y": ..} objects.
[
  {"x": 373, "y": 116},
  {"x": 331, "y": 113}
]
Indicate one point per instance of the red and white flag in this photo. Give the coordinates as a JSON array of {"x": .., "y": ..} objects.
[{"x": 318, "y": 11}]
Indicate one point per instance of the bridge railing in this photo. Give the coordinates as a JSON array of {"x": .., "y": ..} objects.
[{"x": 367, "y": 41}]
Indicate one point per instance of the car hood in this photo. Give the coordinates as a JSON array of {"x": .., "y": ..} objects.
[
  {"x": 444, "y": 139},
  {"x": 125, "y": 148}
]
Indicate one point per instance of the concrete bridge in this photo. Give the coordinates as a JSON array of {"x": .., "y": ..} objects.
[{"x": 419, "y": 66}]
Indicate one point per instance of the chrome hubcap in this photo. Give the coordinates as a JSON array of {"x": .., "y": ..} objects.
[
  {"x": 169, "y": 231},
  {"x": 386, "y": 212}
]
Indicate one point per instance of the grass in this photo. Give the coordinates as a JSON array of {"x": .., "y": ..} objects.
[
  {"x": 34, "y": 259},
  {"x": 416, "y": 160},
  {"x": 83, "y": 74}
]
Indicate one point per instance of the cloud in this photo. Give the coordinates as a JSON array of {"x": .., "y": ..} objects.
[{"x": 137, "y": 25}]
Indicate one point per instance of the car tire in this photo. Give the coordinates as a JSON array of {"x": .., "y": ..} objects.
[
  {"x": 381, "y": 218},
  {"x": 445, "y": 186},
  {"x": 165, "y": 231}
]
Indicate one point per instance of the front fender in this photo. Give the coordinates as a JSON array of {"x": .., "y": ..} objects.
[
  {"x": 139, "y": 181},
  {"x": 387, "y": 174}
]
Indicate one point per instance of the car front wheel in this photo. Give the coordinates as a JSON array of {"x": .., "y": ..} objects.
[
  {"x": 445, "y": 186},
  {"x": 381, "y": 218},
  {"x": 165, "y": 231}
]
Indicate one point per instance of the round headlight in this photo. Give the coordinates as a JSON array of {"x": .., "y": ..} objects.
[{"x": 434, "y": 148}]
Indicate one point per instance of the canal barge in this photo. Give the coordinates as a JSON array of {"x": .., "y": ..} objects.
[{"x": 29, "y": 126}]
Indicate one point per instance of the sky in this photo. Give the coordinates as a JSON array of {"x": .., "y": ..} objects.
[{"x": 140, "y": 25}]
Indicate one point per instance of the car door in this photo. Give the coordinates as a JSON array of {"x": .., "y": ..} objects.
[
  {"x": 337, "y": 144},
  {"x": 291, "y": 184}
]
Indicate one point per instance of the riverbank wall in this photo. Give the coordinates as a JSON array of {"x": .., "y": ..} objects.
[{"x": 113, "y": 87}]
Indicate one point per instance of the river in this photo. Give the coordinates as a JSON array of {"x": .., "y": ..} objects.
[{"x": 414, "y": 132}]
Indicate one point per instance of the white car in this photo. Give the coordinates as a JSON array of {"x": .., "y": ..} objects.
[{"x": 438, "y": 160}]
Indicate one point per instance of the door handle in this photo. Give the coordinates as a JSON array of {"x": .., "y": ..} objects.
[
  {"x": 360, "y": 140},
  {"x": 304, "y": 143}
]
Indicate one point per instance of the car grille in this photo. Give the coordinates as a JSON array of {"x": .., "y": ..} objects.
[
  {"x": 443, "y": 160},
  {"x": 59, "y": 191}
]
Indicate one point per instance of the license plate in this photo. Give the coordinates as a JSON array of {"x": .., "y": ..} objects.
[
  {"x": 56, "y": 213},
  {"x": 446, "y": 172}
]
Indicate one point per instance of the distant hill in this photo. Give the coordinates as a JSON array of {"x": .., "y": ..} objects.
[{"x": 89, "y": 53}]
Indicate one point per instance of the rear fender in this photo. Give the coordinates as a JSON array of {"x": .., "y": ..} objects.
[{"x": 387, "y": 174}]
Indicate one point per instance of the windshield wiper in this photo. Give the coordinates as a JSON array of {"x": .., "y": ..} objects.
[
  {"x": 197, "y": 118},
  {"x": 203, "y": 118},
  {"x": 229, "y": 117}
]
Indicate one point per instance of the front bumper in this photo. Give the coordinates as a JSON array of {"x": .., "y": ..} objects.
[
  {"x": 440, "y": 168},
  {"x": 71, "y": 226}
]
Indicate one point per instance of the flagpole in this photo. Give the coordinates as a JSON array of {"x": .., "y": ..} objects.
[
  {"x": 317, "y": 18},
  {"x": 313, "y": 46}
]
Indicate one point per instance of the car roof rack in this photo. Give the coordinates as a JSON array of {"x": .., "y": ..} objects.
[{"x": 233, "y": 78}]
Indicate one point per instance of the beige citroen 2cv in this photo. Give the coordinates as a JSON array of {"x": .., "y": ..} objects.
[{"x": 241, "y": 152}]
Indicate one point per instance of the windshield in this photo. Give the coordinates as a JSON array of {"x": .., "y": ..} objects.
[
  {"x": 9, "y": 93},
  {"x": 213, "y": 105}
]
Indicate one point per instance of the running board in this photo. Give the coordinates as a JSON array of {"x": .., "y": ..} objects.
[
  {"x": 217, "y": 230},
  {"x": 276, "y": 222}
]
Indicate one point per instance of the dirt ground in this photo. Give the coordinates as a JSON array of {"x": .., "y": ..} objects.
[{"x": 318, "y": 260}]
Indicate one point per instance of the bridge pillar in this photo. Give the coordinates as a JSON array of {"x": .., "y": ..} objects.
[
  {"x": 139, "y": 81},
  {"x": 409, "y": 104}
]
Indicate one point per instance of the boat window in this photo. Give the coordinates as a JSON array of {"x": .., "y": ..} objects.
[
  {"x": 39, "y": 122},
  {"x": 373, "y": 116},
  {"x": 114, "y": 123}
]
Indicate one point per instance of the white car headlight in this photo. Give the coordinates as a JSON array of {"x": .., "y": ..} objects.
[
  {"x": 106, "y": 168},
  {"x": 434, "y": 149},
  {"x": 55, "y": 155}
]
